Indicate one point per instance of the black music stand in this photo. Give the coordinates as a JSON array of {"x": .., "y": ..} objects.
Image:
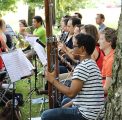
[
  {"x": 13, "y": 101},
  {"x": 19, "y": 68},
  {"x": 34, "y": 56},
  {"x": 35, "y": 89}
]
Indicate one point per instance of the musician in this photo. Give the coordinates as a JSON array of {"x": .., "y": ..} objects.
[
  {"x": 86, "y": 87},
  {"x": 77, "y": 29},
  {"x": 64, "y": 29},
  {"x": 77, "y": 14},
  {"x": 39, "y": 31},
  {"x": 68, "y": 52},
  {"x": 23, "y": 28},
  {"x": 72, "y": 22}
]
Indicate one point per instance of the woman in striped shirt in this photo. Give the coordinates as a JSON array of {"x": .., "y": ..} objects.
[{"x": 86, "y": 87}]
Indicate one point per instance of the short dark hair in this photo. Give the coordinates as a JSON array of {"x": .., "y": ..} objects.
[
  {"x": 65, "y": 20},
  {"x": 87, "y": 41},
  {"x": 110, "y": 36},
  {"x": 101, "y": 16},
  {"x": 23, "y": 22},
  {"x": 66, "y": 16},
  {"x": 75, "y": 21},
  {"x": 79, "y": 26},
  {"x": 38, "y": 19},
  {"x": 78, "y": 14}
]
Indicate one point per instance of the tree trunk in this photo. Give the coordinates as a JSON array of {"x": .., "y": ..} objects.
[
  {"x": 114, "y": 103},
  {"x": 31, "y": 14}
]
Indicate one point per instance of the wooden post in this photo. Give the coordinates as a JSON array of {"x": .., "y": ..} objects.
[{"x": 51, "y": 50}]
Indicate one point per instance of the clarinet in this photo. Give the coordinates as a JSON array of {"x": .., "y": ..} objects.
[
  {"x": 65, "y": 63},
  {"x": 63, "y": 36}
]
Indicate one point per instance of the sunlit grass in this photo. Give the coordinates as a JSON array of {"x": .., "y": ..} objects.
[{"x": 23, "y": 87}]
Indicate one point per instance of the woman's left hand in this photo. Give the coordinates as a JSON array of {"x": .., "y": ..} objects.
[{"x": 50, "y": 77}]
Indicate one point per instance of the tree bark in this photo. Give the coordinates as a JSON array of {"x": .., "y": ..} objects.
[
  {"x": 114, "y": 103},
  {"x": 31, "y": 14}
]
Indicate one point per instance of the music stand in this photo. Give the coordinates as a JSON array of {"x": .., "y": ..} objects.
[
  {"x": 38, "y": 47},
  {"x": 18, "y": 67},
  {"x": 36, "y": 76}
]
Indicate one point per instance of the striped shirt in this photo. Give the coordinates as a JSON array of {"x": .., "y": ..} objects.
[{"x": 90, "y": 99}]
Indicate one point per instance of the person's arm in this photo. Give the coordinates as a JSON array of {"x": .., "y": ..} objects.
[
  {"x": 107, "y": 84},
  {"x": 71, "y": 91},
  {"x": 69, "y": 104},
  {"x": 63, "y": 47},
  {"x": 67, "y": 51},
  {"x": 3, "y": 44}
]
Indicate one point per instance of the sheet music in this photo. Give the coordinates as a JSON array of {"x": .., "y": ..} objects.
[
  {"x": 41, "y": 53},
  {"x": 17, "y": 65},
  {"x": 38, "y": 48},
  {"x": 31, "y": 40}
]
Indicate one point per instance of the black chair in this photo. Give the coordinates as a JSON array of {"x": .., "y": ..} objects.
[{"x": 2, "y": 75}]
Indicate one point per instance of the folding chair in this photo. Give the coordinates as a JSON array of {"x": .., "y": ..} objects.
[{"x": 4, "y": 87}]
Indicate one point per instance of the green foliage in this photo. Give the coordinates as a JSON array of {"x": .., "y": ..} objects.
[
  {"x": 7, "y": 5},
  {"x": 33, "y": 3},
  {"x": 64, "y": 7}
]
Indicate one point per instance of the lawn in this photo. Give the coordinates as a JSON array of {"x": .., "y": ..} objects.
[{"x": 23, "y": 87}]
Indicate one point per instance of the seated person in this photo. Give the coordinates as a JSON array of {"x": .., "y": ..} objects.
[
  {"x": 107, "y": 41},
  {"x": 3, "y": 46},
  {"x": 86, "y": 87},
  {"x": 39, "y": 29},
  {"x": 2, "y": 36},
  {"x": 78, "y": 15},
  {"x": 71, "y": 24},
  {"x": 9, "y": 41},
  {"x": 98, "y": 54},
  {"x": 38, "y": 32},
  {"x": 23, "y": 28}
]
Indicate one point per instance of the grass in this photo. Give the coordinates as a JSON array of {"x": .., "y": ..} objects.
[{"x": 23, "y": 86}]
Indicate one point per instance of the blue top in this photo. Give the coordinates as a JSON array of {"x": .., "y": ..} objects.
[{"x": 102, "y": 27}]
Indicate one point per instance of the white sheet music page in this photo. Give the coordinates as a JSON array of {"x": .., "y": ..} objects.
[
  {"x": 31, "y": 40},
  {"x": 17, "y": 65},
  {"x": 41, "y": 53},
  {"x": 38, "y": 48}
]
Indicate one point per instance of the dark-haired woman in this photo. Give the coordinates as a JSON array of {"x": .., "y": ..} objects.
[{"x": 86, "y": 87}]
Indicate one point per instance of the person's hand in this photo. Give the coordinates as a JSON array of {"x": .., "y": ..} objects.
[
  {"x": 62, "y": 47},
  {"x": 50, "y": 77}
]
